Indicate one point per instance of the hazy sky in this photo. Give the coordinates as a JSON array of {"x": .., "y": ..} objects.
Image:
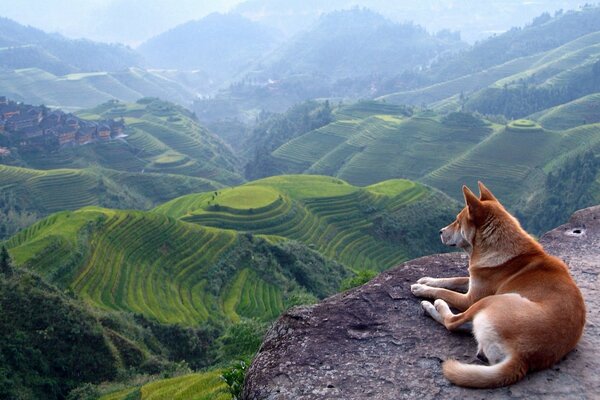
[
  {"x": 129, "y": 21},
  {"x": 133, "y": 21}
]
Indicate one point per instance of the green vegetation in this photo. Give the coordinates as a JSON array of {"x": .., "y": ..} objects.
[
  {"x": 159, "y": 137},
  {"x": 28, "y": 194},
  {"x": 52, "y": 343},
  {"x": 583, "y": 111},
  {"x": 39, "y": 85},
  {"x": 168, "y": 270},
  {"x": 571, "y": 186},
  {"x": 370, "y": 142},
  {"x": 373, "y": 227},
  {"x": 199, "y": 386},
  {"x": 523, "y": 125}
]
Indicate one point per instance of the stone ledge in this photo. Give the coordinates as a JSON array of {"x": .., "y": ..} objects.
[{"x": 374, "y": 341}]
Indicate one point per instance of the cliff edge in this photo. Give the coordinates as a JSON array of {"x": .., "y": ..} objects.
[{"x": 375, "y": 342}]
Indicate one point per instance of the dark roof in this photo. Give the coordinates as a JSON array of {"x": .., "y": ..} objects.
[
  {"x": 31, "y": 131},
  {"x": 8, "y": 108},
  {"x": 20, "y": 117}
]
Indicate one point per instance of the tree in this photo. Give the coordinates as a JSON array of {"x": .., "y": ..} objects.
[{"x": 5, "y": 262}]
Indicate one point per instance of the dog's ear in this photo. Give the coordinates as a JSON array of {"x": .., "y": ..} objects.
[
  {"x": 472, "y": 202},
  {"x": 485, "y": 193}
]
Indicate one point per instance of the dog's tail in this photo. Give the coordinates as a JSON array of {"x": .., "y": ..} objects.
[{"x": 506, "y": 372}]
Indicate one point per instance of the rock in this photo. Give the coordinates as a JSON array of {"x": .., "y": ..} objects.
[{"x": 375, "y": 342}]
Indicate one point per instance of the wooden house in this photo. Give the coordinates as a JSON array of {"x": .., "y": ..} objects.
[
  {"x": 66, "y": 135},
  {"x": 104, "y": 132},
  {"x": 86, "y": 134}
]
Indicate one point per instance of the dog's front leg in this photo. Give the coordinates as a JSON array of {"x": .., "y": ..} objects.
[
  {"x": 457, "y": 300},
  {"x": 460, "y": 284}
]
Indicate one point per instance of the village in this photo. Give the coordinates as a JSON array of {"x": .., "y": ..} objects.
[{"x": 31, "y": 128}]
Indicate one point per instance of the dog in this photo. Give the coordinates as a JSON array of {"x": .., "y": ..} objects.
[{"x": 525, "y": 309}]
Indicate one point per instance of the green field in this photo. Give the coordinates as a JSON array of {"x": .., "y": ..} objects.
[
  {"x": 515, "y": 160},
  {"x": 159, "y": 137},
  {"x": 77, "y": 91},
  {"x": 199, "y": 386},
  {"x": 186, "y": 262},
  {"x": 583, "y": 111},
  {"x": 48, "y": 191},
  {"x": 366, "y": 147},
  {"x": 335, "y": 218}
]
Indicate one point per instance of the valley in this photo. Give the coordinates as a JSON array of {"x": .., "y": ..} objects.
[{"x": 162, "y": 205}]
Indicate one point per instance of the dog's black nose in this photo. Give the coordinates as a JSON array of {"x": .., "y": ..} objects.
[{"x": 441, "y": 231}]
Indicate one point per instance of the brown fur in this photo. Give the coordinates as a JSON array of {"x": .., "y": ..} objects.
[{"x": 527, "y": 311}]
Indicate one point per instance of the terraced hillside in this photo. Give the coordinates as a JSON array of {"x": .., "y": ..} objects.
[
  {"x": 159, "y": 137},
  {"x": 200, "y": 386},
  {"x": 46, "y": 191},
  {"x": 374, "y": 142},
  {"x": 169, "y": 270},
  {"x": 373, "y": 227},
  {"x": 515, "y": 160},
  {"x": 83, "y": 90},
  {"x": 583, "y": 111},
  {"x": 554, "y": 73}
]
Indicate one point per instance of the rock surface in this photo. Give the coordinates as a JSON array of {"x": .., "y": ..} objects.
[{"x": 375, "y": 342}]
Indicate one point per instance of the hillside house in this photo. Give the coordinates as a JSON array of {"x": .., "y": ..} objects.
[
  {"x": 9, "y": 110},
  {"x": 22, "y": 121},
  {"x": 72, "y": 122},
  {"x": 66, "y": 135},
  {"x": 86, "y": 134},
  {"x": 3, "y": 100},
  {"x": 104, "y": 132},
  {"x": 117, "y": 127}
]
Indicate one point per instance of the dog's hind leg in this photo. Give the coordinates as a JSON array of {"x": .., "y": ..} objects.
[
  {"x": 460, "y": 301},
  {"x": 440, "y": 311}
]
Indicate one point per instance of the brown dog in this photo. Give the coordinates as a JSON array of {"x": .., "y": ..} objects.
[{"x": 526, "y": 310}]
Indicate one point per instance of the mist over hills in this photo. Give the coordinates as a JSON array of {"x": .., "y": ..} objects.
[
  {"x": 221, "y": 45},
  {"x": 27, "y": 47},
  {"x": 266, "y": 157}
]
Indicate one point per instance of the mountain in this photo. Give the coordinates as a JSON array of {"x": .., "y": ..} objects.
[
  {"x": 30, "y": 194},
  {"x": 345, "y": 54},
  {"x": 76, "y": 91},
  {"x": 158, "y": 137},
  {"x": 352, "y": 43},
  {"x": 27, "y": 47},
  {"x": 368, "y": 142},
  {"x": 53, "y": 343},
  {"x": 544, "y": 47},
  {"x": 112, "y": 258},
  {"x": 484, "y": 18},
  {"x": 220, "y": 45},
  {"x": 194, "y": 251}
]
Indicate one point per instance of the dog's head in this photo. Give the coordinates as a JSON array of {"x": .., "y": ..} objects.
[{"x": 472, "y": 219}]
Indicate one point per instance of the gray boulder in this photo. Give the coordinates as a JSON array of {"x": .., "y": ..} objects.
[{"x": 375, "y": 342}]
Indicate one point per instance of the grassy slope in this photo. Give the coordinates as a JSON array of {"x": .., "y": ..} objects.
[
  {"x": 169, "y": 270},
  {"x": 514, "y": 161},
  {"x": 44, "y": 192},
  {"x": 585, "y": 110},
  {"x": 163, "y": 138},
  {"x": 367, "y": 146},
  {"x": 200, "y": 386},
  {"x": 76, "y": 91},
  {"x": 550, "y": 67},
  {"x": 339, "y": 220}
]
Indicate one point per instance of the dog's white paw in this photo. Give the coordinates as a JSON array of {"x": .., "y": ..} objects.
[
  {"x": 426, "y": 280},
  {"x": 442, "y": 307},
  {"x": 427, "y": 307},
  {"x": 418, "y": 289}
]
